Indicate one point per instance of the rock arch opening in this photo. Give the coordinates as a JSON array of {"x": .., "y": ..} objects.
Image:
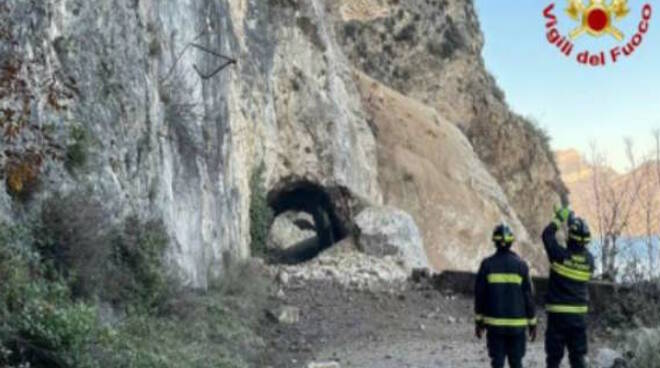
[{"x": 306, "y": 223}]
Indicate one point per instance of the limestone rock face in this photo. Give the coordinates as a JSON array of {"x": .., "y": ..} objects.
[
  {"x": 174, "y": 136},
  {"x": 182, "y": 100},
  {"x": 391, "y": 232},
  {"x": 320, "y": 132}
]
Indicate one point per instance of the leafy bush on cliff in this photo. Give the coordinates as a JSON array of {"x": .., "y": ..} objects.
[
  {"x": 77, "y": 150},
  {"x": 137, "y": 272},
  {"x": 53, "y": 272},
  {"x": 49, "y": 299},
  {"x": 261, "y": 215},
  {"x": 41, "y": 324},
  {"x": 197, "y": 329},
  {"x": 122, "y": 264},
  {"x": 71, "y": 235}
]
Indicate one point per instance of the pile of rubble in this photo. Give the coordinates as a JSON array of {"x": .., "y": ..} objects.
[{"x": 353, "y": 270}]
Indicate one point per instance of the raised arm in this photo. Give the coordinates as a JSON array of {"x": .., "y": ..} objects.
[{"x": 555, "y": 251}]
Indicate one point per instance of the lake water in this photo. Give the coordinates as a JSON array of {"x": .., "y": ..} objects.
[{"x": 634, "y": 256}]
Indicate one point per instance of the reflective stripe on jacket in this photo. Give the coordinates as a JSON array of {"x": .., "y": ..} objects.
[
  {"x": 504, "y": 293},
  {"x": 571, "y": 269}
]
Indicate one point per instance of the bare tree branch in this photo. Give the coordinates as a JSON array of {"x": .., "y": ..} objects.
[{"x": 621, "y": 199}]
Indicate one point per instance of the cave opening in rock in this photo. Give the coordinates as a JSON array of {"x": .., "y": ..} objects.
[{"x": 306, "y": 223}]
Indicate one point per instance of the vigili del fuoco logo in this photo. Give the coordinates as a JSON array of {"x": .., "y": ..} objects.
[{"x": 598, "y": 18}]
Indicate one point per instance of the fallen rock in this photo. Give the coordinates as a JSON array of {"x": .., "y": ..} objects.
[
  {"x": 419, "y": 274},
  {"x": 350, "y": 268},
  {"x": 386, "y": 231},
  {"x": 286, "y": 315},
  {"x": 324, "y": 365},
  {"x": 283, "y": 278},
  {"x": 289, "y": 229},
  {"x": 289, "y": 315},
  {"x": 608, "y": 358}
]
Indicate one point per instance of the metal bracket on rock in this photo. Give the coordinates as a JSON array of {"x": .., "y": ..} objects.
[{"x": 228, "y": 61}]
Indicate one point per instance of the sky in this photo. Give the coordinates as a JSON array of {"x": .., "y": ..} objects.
[{"x": 576, "y": 104}]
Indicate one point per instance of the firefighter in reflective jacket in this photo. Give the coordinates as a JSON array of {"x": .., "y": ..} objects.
[
  {"x": 504, "y": 302},
  {"x": 568, "y": 295}
]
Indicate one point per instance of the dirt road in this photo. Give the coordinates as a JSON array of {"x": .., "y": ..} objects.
[{"x": 414, "y": 326}]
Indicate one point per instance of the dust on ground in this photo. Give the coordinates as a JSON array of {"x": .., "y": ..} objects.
[{"x": 411, "y": 325}]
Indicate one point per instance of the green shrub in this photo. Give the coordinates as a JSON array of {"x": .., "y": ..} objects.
[
  {"x": 632, "y": 306},
  {"x": 41, "y": 324},
  {"x": 196, "y": 329},
  {"x": 200, "y": 340},
  {"x": 72, "y": 234},
  {"x": 77, "y": 151},
  {"x": 123, "y": 265},
  {"x": 137, "y": 272},
  {"x": 261, "y": 215}
]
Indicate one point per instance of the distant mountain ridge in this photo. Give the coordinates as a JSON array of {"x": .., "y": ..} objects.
[{"x": 578, "y": 175}]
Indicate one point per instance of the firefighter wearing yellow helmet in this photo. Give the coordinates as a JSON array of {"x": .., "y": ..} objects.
[
  {"x": 567, "y": 300},
  {"x": 504, "y": 302}
]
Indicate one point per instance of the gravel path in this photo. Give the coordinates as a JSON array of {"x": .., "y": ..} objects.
[{"x": 414, "y": 326}]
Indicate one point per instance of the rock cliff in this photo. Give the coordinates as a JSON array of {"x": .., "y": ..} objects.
[
  {"x": 431, "y": 52},
  {"x": 181, "y": 101},
  {"x": 428, "y": 168}
]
